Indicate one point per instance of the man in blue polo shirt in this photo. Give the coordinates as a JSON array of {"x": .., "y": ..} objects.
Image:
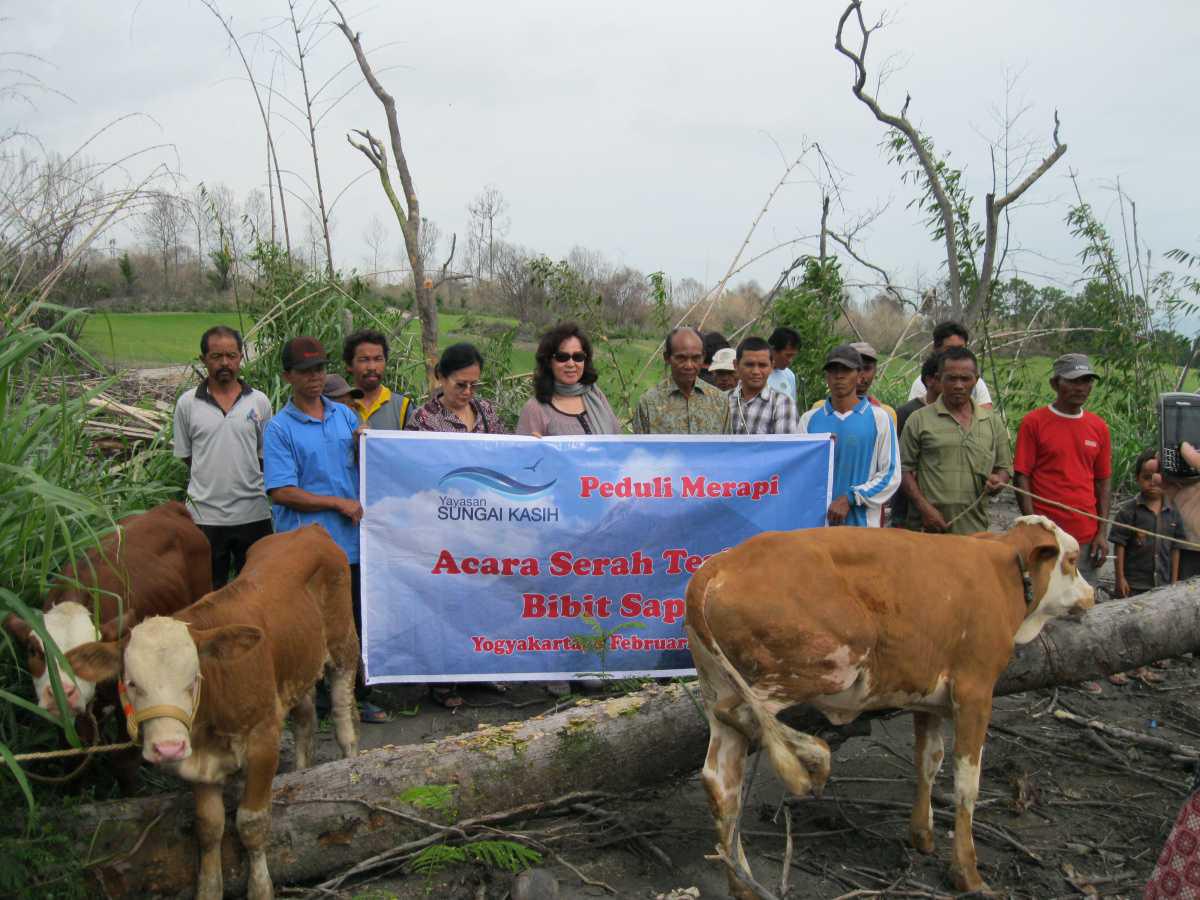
[
  {"x": 310, "y": 469},
  {"x": 866, "y": 458}
]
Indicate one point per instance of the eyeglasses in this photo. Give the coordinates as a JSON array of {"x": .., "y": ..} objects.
[
  {"x": 465, "y": 386},
  {"x": 223, "y": 357},
  {"x": 578, "y": 356}
]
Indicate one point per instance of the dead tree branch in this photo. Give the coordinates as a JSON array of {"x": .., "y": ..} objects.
[
  {"x": 904, "y": 126},
  {"x": 994, "y": 206},
  {"x": 408, "y": 215}
]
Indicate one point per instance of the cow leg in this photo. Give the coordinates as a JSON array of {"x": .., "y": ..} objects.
[
  {"x": 343, "y": 710},
  {"x": 970, "y": 730},
  {"x": 724, "y": 770},
  {"x": 210, "y": 828},
  {"x": 304, "y": 729},
  {"x": 929, "y": 750},
  {"x": 254, "y": 812}
]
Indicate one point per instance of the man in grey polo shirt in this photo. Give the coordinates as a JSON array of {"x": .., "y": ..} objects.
[{"x": 219, "y": 434}]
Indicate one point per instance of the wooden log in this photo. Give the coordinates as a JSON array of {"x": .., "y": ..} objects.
[{"x": 329, "y": 817}]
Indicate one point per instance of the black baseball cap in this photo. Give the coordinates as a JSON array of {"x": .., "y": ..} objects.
[
  {"x": 303, "y": 353},
  {"x": 844, "y": 355}
]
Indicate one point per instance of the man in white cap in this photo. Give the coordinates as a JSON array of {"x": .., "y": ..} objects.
[
  {"x": 866, "y": 376},
  {"x": 723, "y": 369}
]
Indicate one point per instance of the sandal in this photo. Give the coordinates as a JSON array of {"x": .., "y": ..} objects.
[
  {"x": 1148, "y": 676},
  {"x": 446, "y": 696},
  {"x": 372, "y": 714},
  {"x": 1118, "y": 678}
]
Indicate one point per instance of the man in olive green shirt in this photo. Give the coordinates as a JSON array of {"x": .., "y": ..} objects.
[
  {"x": 682, "y": 403},
  {"x": 952, "y": 452}
]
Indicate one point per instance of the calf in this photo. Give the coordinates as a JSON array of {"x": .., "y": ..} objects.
[
  {"x": 153, "y": 564},
  {"x": 849, "y": 620},
  {"x": 206, "y": 691}
]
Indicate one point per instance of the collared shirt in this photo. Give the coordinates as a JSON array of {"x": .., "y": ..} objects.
[
  {"x": 315, "y": 455},
  {"x": 664, "y": 410},
  {"x": 900, "y": 499},
  {"x": 952, "y": 464},
  {"x": 770, "y": 412},
  {"x": 866, "y": 464},
  {"x": 874, "y": 401},
  {"x": 389, "y": 412},
  {"x": 1147, "y": 559},
  {"x": 784, "y": 381},
  {"x": 435, "y": 416},
  {"x": 225, "y": 485}
]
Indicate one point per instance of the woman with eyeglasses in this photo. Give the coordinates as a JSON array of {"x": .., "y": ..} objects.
[
  {"x": 455, "y": 406},
  {"x": 566, "y": 399}
]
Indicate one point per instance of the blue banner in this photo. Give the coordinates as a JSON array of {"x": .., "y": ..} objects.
[{"x": 498, "y": 558}]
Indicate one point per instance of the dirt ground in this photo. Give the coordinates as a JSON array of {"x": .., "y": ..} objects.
[
  {"x": 1060, "y": 813},
  {"x": 1063, "y": 811}
]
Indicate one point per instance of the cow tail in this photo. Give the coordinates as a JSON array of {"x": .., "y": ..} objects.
[{"x": 801, "y": 761}]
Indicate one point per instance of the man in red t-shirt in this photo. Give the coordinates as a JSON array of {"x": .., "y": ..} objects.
[{"x": 1065, "y": 454}]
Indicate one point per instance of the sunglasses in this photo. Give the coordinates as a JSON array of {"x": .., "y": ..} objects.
[{"x": 578, "y": 357}]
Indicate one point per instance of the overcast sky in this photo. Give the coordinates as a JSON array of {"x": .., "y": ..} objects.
[{"x": 653, "y": 131}]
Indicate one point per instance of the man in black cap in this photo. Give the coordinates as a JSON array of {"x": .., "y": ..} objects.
[
  {"x": 310, "y": 468},
  {"x": 1064, "y": 454},
  {"x": 866, "y": 460}
]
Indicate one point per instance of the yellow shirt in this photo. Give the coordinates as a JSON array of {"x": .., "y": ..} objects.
[{"x": 385, "y": 394}]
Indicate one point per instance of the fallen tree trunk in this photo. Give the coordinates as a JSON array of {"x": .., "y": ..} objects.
[{"x": 330, "y": 817}]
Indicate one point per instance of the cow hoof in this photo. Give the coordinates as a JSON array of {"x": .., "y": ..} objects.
[
  {"x": 922, "y": 841},
  {"x": 970, "y": 882}
]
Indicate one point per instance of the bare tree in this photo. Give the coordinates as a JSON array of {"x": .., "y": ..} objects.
[
  {"x": 265, "y": 113},
  {"x": 305, "y": 36},
  {"x": 376, "y": 237},
  {"x": 408, "y": 213},
  {"x": 487, "y": 224},
  {"x": 934, "y": 173},
  {"x": 195, "y": 207},
  {"x": 162, "y": 225},
  {"x": 255, "y": 213}
]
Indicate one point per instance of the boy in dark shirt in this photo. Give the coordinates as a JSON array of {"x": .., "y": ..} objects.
[{"x": 1144, "y": 562}]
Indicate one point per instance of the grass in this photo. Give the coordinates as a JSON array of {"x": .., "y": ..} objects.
[
  {"x": 135, "y": 340},
  {"x": 128, "y": 340}
]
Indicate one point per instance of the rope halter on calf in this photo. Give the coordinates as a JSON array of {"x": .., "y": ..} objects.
[{"x": 133, "y": 720}]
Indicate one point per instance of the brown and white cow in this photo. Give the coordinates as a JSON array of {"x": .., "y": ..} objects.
[
  {"x": 849, "y": 620},
  {"x": 154, "y": 564},
  {"x": 208, "y": 689}
]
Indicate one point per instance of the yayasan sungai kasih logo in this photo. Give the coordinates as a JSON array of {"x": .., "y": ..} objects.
[{"x": 478, "y": 509}]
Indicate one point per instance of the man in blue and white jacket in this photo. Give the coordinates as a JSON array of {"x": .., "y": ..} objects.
[{"x": 866, "y": 455}]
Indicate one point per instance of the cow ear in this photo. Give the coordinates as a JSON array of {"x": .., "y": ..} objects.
[
  {"x": 1044, "y": 553},
  {"x": 18, "y": 627},
  {"x": 96, "y": 662},
  {"x": 228, "y": 643},
  {"x": 118, "y": 629}
]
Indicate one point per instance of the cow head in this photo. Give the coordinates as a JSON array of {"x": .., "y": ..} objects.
[
  {"x": 69, "y": 626},
  {"x": 1050, "y": 556},
  {"x": 161, "y": 680}
]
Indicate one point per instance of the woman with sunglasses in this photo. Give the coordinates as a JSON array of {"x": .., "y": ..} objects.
[
  {"x": 455, "y": 408},
  {"x": 566, "y": 399}
]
